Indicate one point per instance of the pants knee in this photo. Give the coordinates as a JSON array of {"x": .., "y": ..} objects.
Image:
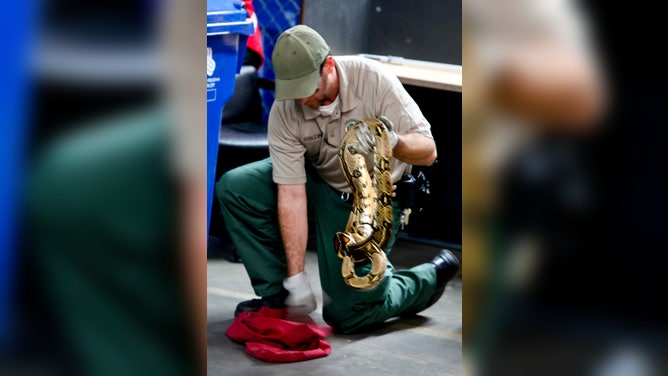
[
  {"x": 249, "y": 182},
  {"x": 225, "y": 187},
  {"x": 347, "y": 319}
]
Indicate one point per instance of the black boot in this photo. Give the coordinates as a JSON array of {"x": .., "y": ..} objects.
[
  {"x": 447, "y": 265},
  {"x": 276, "y": 301}
]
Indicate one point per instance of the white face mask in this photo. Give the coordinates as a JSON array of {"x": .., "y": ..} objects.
[{"x": 329, "y": 109}]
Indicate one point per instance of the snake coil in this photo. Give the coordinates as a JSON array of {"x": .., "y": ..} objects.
[{"x": 370, "y": 222}]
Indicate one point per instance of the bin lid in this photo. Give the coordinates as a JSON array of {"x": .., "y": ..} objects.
[{"x": 227, "y": 17}]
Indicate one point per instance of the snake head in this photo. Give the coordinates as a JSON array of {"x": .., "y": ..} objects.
[{"x": 341, "y": 240}]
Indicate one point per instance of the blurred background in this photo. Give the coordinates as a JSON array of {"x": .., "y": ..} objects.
[
  {"x": 561, "y": 203},
  {"x": 103, "y": 253},
  {"x": 103, "y": 194}
]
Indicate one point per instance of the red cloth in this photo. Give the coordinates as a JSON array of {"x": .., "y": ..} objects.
[
  {"x": 254, "y": 41},
  {"x": 270, "y": 337}
]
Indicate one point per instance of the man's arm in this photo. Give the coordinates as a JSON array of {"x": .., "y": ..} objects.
[
  {"x": 293, "y": 221},
  {"x": 292, "y": 218},
  {"x": 416, "y": 149}
]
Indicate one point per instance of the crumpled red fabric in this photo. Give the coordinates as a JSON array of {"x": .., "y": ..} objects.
[{"x": 270, "y": 337}]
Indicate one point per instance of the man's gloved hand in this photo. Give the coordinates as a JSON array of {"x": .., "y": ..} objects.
[
  {"x": 390, "y": 127},
  {"x": 300, "y": 300},
  {"x": 366, "y": 142}
]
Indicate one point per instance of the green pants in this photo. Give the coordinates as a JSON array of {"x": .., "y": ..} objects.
[{"x": 248, "y": 202}]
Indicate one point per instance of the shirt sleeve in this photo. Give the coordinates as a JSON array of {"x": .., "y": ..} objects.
[
  {"x": 285, "y": 149},
  {"x": 397, "y": 105}
]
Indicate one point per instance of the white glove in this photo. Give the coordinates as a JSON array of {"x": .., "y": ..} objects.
[
  {"x": 300, "y": 300},
  {"x": 390, "y": 127},
  {"x": 366, "y": 142}
]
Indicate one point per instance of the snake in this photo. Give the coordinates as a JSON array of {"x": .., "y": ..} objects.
[{"x": 369, "y": 226}]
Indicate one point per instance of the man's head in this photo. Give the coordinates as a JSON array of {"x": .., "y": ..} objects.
[{"x": 298, "y": 55}]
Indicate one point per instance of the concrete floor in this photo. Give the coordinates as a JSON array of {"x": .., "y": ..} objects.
[{"x": 428, "y": 344}]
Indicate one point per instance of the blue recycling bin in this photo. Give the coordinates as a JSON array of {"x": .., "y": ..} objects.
[{"x": 227, "y": 30}]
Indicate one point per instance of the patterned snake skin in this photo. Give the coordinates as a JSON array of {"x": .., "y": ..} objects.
[{"x": 370, "y": 223}]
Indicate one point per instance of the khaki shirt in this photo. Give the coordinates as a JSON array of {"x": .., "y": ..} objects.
[{"x": 366, "y": 89}]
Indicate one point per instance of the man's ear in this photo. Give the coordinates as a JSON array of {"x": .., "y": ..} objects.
[{"x": 329, "y": 64}]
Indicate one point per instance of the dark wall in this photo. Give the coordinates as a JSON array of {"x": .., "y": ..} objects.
[
  {"x": 343, "y": 24},
  {"x": 440, "y": 222},
  {"x": 421, "y": 30}
]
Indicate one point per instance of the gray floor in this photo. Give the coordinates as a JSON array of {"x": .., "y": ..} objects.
[{"x": 429, "y": 344}]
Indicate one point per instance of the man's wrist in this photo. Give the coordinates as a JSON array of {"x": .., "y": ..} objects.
[
  {"x": 394, "y": 139},
  {"x": 295, "y": 281}
]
